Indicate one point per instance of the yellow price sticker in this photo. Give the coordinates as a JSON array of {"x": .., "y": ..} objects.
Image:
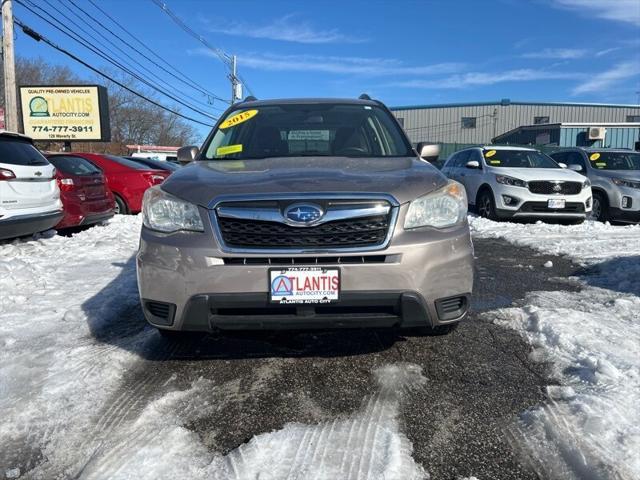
[
  {"x": 594, "y": 156},
  {"x": 228, "y": 150},
  {"x": 601, "y": 164},
  {"x": 489, "y": 154},
  {"x": 238, "y": 119},
  {"x": 494, "y": 162}
]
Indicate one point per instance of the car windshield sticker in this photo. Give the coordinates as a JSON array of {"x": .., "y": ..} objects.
[
  {"x": 228, "y": 150},
  {"x": 238, "y": 119},
  {"x": 312, "y": 135},
  {"x": 601, "y": 164},
  {"x": 594, "y": 156},
  {"x": 489, "y": 154},
  {"x": 494, "y": 162}
]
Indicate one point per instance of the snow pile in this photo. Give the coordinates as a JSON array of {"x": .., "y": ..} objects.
[
  {"x": 367, "y": 445},
  {"x": 588, "y": 243},
  {"x": 591, "y": 426},
  {"x": 64, "y": 303}
]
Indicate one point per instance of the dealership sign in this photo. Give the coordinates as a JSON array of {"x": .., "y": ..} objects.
[{"x": 75, "y": 113}]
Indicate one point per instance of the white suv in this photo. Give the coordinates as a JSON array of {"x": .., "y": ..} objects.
[
  {"x": 505, "y": 182},
  {"x": 29, "y": 194}
]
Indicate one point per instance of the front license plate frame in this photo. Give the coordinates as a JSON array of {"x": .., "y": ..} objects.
[
  {"x": 287, "y": 291},
  {"x": 556, "y": 203}
]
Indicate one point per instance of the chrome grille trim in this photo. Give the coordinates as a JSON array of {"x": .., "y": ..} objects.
[{"x": 392, "y": 209}]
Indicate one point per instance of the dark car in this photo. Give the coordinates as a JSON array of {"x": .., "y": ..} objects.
[
  {"x": 86, "y": 199},
  {"x": 152, "y": 163}
]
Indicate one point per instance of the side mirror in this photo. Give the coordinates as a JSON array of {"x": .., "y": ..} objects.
[
  {"x": 428, "y": 151},
  {"x": 473, "y": 164},
  {"x": 187, "y": 154},
  {"x": 562, "y": 165},
  {"x": 576, "y": 168}
]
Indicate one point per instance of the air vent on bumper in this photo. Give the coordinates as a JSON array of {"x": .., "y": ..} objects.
[
  {"x": 451, "y": 308},
  {"x": 160, "y": 313}
]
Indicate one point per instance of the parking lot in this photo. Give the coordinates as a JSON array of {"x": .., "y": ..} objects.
[{"x": 86, "y": 379}]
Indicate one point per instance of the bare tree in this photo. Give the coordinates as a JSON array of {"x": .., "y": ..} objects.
[{"x": 133, "y": 120}]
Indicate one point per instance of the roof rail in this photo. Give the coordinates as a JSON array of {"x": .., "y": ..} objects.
[
  {"x": 250, "y": 98},
  {"x": 364, "y": 96}
]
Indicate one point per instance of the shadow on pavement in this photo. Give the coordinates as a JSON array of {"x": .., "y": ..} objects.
[
  {"x": 621, "y": 274},
  {"x": 115, "y": 317}
]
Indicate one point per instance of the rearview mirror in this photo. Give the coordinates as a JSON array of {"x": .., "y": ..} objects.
[
  {"x": 562, "y": 165},
  {"x": 187, "y": 154},
  {"x": 428, "y": 151},
  {"x": 473, "y": 164},
  {"x": 575, "y": 167}
]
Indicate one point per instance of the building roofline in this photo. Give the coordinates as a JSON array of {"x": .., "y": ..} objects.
[
  {"x": 539, "y": 126},
  {"x": 507, "y": 102}
]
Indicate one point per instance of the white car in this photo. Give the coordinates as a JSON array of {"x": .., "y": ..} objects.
[
  {"x": 508, "y": 182},
  {"x": 29, "y": 193}
]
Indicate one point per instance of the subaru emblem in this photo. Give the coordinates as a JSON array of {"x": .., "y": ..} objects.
[{"x": 303, "y": 213}]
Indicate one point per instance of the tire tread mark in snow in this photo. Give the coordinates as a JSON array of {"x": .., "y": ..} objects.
[{"x": 372, "y": 417}]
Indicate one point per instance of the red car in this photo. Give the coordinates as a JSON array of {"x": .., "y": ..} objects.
[
  {"x": 83, "y": 190},
  {"x": 127, "y": 180}
]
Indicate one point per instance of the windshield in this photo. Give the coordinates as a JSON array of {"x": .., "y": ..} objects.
[
  {"x": 74, "y": 165},
  {"x": 128, "y": 163},
  {"x": 615, "y": 160},
  {"x": 294, "y": 130},
  {"x": 518, "y": 159}
]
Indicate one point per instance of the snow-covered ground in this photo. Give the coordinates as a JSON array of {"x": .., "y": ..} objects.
[
  {"x": 71, "y": 329},
  {"x": 591, "y": 427}
]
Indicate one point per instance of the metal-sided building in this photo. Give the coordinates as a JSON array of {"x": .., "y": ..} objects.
[
  {"x": 473, "y": 123},
  {"x": 565, "y": 134}
]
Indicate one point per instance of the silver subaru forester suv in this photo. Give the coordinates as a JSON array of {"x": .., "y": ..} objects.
[{"x": 306, "y": 213}]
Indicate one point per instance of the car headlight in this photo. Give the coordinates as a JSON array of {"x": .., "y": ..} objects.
[
  {"x": 514, "y": 182},
  {"x": 443, "y": 208},
  {"x": 166, "y": 213},
  {"x": 623, "y": 182},
  {"x": 587, "y": 183}
]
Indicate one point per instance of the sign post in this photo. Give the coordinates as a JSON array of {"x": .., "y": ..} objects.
[{"x": 66, "y": 113}]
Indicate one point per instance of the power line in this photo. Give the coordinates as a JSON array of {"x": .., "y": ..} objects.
[
  {"x": 38, "y": 37},
  {"x": 109, "y": 59},
  {"x": 178, "y": 75},
  {"x": 129, "y": 65},
  {"x": 226, "y": 59}
]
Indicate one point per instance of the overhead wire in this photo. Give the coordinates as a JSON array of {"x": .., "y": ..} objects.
[
  {"x": 224, "y": 58},
  {"x": 39, "y": 37},
  {"x": 102, "y": 41},
  {"x": 108, "y": 58},
  {"x": 166, "y": 65}
]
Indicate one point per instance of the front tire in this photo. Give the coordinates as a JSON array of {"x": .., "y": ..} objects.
[
  {"x": 599, "y": 208},
  {"x": 486, "y": 205}
]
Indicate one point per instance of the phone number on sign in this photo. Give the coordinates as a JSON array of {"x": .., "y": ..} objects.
[{"x": 62, "y": 128}]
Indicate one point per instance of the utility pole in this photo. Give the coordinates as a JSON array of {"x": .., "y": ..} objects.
[
  {"x": 236, "y": 86},
  {"x": 10, "y": 94}
]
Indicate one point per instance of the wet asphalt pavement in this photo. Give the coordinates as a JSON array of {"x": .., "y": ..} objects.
[{"x": 479, "y": 378}]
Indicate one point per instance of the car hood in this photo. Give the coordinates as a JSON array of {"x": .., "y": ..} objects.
[
  {"x": 533, "y": 174},
  {"x": 404, "y": 178},
  {"x": 626, "y": 174}
]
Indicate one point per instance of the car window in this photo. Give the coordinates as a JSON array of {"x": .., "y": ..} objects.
[
  {"x": 74, "y": 165},
  {"x": 559, "y": 156},
  {"x": 319, "y": 129},
  {"x": 15, "y": 151},
  {"x": 614, "y": 160},
  {"x": 518, "y": 159},
  {"x": 127, "y": 163},
  {"x": 463, "y": 158}
]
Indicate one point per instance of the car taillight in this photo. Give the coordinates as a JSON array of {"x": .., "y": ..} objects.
[
  {"x": 6, "y": 174},
  {"x": 66, "y": 184}
]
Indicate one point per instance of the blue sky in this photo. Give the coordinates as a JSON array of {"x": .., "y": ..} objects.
[{"x": 402, "y": 52}]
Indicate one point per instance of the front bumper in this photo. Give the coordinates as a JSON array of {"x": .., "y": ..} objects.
[
  {"x": 22, "y": 225},
  {"x": 525, "y": 204},
  {"x": 184, "y": 280},
  {"x": 624, "y": 205}
]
